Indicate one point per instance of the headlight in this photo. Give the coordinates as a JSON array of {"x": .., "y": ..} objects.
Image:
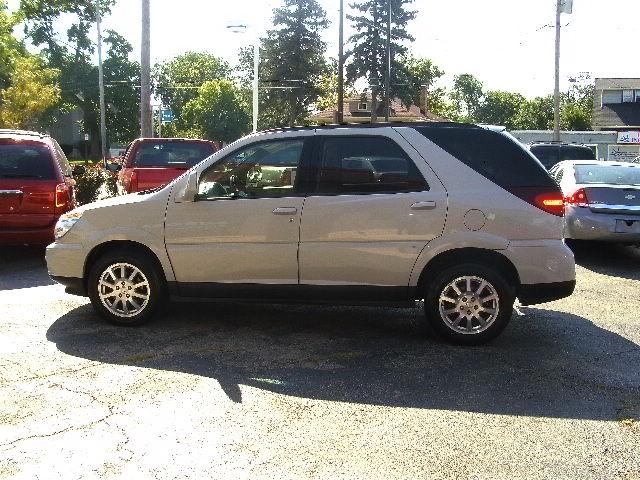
[{"x": 65, "y": 222}]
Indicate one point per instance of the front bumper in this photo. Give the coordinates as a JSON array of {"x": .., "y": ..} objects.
[
  {"x": 583, "y": 224},
  {"x": 65, "y": 260},
  {"x": 545, "y": 292}
]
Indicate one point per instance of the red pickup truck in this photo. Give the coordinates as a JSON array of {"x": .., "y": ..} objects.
[
  {"x": 36, "y": 187},
  {"x": 153, "y": 162}
]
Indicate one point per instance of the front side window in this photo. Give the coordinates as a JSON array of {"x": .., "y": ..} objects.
[
  {"x": 261, "y": 170},
  {"x": 357, "y": 165}
]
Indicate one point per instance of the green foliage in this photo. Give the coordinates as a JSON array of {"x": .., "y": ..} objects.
[
  {"x": 219, "y": 111},
  {"x": 27, "y": 88},
  {"x": 368, "y": 45},
  {"x": 328, "y": 86},
  {"x": 420, "y": 72},
  {"x": 535, "y": 114},
  {"x": 499, "y": 108},
  {"x": 176, "y": 81},
  {"x": 466, "y": 96},
  {"x": 292, "y": 64},
  {"x": 577, "y": 110},
  {"x": 96, "y": 182}
]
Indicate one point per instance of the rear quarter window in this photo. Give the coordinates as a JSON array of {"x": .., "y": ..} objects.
[
  {"x": 492, "y": 154},
  {"x": 28, "y": 161}
]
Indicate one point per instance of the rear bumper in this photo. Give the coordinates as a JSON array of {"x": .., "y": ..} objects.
[
  {"x": 545, "y": 292},
  {"x": 72, "y": 285},
  {"x": 583, "y": 224},
  {"x": 36, "y": 236}
]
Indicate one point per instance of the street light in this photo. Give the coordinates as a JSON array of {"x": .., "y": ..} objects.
[{"x": 256, "y": 62}]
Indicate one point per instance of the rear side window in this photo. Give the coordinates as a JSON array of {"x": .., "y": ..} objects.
[
  {"x": 26, "y": 161},
  {"x": 62, "y": 159},
  {"x": 577, "y": 153},
  {"x": 171, "y": 154},
  {"x": 360, "y": 165},
  {"x": 492, "y": 154}
]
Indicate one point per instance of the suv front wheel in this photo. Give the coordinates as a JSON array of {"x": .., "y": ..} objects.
[
  {"x": 469, "y": 304},
  {"x": 125, "y": 289}
]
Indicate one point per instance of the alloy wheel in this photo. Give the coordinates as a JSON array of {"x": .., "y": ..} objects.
[
  {"x": 124, "y": 290},
  {"x": 469, "y": 305}
]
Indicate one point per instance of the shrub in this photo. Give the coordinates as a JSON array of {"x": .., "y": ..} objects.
[{"x": 96, "y": 183}]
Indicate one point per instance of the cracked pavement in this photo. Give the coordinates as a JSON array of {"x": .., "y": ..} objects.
[{"x": 253, "y": 391}]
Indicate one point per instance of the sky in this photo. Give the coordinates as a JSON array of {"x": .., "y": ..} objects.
[{"x": 507, "y": 44}]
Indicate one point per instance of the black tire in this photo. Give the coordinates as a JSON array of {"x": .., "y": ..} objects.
[
  {"x": 156, "y": 292},
  {"x": 438, "y": 287}
]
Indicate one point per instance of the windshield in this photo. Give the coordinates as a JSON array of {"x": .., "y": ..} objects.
[
  {"x": 26, "y": 161},
  {"x": 611, "y": 174},
  {"x": 172, "y": 154}
]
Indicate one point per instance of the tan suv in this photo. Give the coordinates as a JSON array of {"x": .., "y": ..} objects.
[{"x": 458, "y": 215}]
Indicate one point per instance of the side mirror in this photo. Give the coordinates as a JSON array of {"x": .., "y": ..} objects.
[
  {"x": 190, "y": 189},
  {"x": 78, "y": 170},
  {"x": 113, "y": 166}
]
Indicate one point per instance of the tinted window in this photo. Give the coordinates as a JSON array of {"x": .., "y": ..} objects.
[
  {"x": 492, "y": 154},
  {"x": 576, "y": 153},
  {"x": 366, "y": 165},
  {"x": 548, "y": 155},
  {"x": 171, "y": 154},
  {"x": 265, "y": 169},
  {"x": 611, "y": 174},
  {"x": 26, "y": 161},
  {"x": 62, "y": 159}
]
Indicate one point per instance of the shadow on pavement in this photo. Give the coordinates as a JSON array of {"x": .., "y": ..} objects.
[
  {"x": 23, "y": 267},
  {"x": 546, "y": 364},
  {"x": 612, "y": 259}
]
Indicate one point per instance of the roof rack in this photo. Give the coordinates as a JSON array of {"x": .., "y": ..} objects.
[{"x": 330, "y": 126}]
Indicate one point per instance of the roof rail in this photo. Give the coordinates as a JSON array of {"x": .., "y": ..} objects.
[{"x": 329, "y": 126}]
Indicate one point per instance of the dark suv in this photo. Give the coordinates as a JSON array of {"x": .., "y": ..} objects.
[
  {"x": 551, "y": 153},
  {"x": 36, "y": 187}
]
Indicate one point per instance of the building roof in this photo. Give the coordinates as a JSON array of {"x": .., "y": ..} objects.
[
  {"x": 617, "y": 83},
  {"x": 617, "y": 115},
  {"x": 400, "y": 114}
]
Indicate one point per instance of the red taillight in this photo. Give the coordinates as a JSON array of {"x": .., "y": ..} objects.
[
  {"x": 551, "y": 202},
  {"x": 62, "y": 195},
  {"x": 578, "y": 199}
]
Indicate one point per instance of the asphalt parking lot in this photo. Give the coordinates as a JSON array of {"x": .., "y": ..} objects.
[{"x": 250, "y": 391}]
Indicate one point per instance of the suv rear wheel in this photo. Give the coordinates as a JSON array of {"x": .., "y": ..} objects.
[
  {"x": 469, "y": 304},
  {"x": 126, "y": 289}
]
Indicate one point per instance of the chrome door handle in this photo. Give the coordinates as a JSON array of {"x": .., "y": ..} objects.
[
  {"x": 6, "y": 193},
  {"x": 285, "y": 211},
  {"x": 429, "y": 205}
]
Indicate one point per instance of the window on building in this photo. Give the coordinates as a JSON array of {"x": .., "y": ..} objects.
[
  {"x": 627, "y": 96},
  {"x": 362, "y": 106},
  {"x": 611, "y": 96},
  {"x": 637, "y": 96}
]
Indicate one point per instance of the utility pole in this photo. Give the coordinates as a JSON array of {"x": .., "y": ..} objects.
[
  {"x": 340, "y": 118},
  {"x": 387, "y": 76},
  {"x": 103, "y": 122},
  {"x": 556, "y": 92},
  {"x": 145, "y": 73},
  {"x": 256, "y": 66}
]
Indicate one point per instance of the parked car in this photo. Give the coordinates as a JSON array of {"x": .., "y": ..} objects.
[
  {"x": 36, "y": 187},
  {"x": 467, "y": 220},
  {"x": 550, "y": 153},
  {"x": 153, "y": 162},
  {"x": 602, "y": 200}
]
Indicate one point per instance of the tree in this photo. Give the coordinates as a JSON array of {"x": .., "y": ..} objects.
[
  {"x": 577, "y": 108},
  {"x": 535, "y": 114},
  {"x": 466, "y": 96},
  {"x": 177, "y": 81},
  {"x": 293, "y": 62},
  {"x": 499, "y": 108},
  {"x": 27, "y": 89},
  {"x": 368, "y": 45},
  {"x": 122, "y": 96},
  {"x": 218, "y": 112},
  {"x": 73, "y": 57},
  {"x": 421, "y": 72},
  {"x": 328, "y": 87}
]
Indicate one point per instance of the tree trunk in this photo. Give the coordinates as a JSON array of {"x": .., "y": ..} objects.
[{"x": 374, "y": 105}]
